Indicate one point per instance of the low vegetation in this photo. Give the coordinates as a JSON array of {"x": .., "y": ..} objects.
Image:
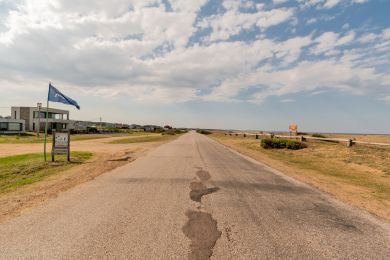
[
  {"x": 28, "y": 138},
  {"x": 173, "y": 132},
  {"x": 203, "y": 131},
  {"x": 143, "y": 139},
  {"x": 318, "y": 135},
  {"x": 277, "y": 143},
  {"x": 359, "y": 175},
  {"x": 20, "y": 170}
]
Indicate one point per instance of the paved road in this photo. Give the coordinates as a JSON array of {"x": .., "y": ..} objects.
[{"x": 188, "y": 199}]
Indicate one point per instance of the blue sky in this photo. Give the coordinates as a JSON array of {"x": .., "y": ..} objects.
[{"x": 323, "y": 64}]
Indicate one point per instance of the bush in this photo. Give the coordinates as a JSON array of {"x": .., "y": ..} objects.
[
  {"x": 294, "y": 145},
  {"x": 276, "y": 143},
  {"x": 173, "y": 131},
  {"x": 318, "y": 135},
  {"x": 203, "y": 132}
]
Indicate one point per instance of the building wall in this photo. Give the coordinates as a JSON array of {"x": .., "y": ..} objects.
[
  {"x": 25, "y": 115},
  {"x": 15, "y": 112},
  {"x": 8, "y": 121}
]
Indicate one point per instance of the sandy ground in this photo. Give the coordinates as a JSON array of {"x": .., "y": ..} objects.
[
  {"x": 93, "y": 145},
  {"x": 106, "y": 157},
  {"x": 194, "y": 198}
]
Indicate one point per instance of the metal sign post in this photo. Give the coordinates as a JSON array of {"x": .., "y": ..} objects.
[
  {"x": 61, "y": 144},
  {"x": 39, "y": 105}
]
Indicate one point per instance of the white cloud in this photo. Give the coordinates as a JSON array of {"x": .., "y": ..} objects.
[
  {"x": 331, "y": 3},
  {"x": 328, "y": 41},
  {"x": 233, "y": 21},
  {"x": 139, "y": 49},
  {"x": 385, "y": 98},
  {"x": 328, "y": 4},
  {"x": 311, "y": 21},
  {"x": 279, "y": 1},
  {"x": 287, "y": 100}
]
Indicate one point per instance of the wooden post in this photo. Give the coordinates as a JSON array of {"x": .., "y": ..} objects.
[
  {"x": 53, "y": 133},
  {"x": 68, "y": 145},
  {"x": 349, "y": 142}
]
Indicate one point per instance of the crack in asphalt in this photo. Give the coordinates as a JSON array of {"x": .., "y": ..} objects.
[{"x": 201, "y": 228}]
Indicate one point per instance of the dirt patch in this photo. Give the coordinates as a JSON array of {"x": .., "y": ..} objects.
[{"x": 202, "y": 229}]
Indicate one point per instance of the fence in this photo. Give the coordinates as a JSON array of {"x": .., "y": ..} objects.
[{"x": 348, "y": 142}]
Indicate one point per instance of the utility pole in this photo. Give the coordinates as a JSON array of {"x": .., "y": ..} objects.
[{"x": 39, "y": 105}]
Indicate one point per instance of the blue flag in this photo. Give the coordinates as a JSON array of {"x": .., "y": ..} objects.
[{"x": 56, "y": 96}]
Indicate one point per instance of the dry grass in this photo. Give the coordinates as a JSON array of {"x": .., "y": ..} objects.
[
  {"x": 31, "y": 137},
  {"x": 144, "y": 139},
  {"x": 359, "y": 175}
]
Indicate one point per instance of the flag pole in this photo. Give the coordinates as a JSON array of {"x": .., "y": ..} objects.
[{"x": 47, "y": 118}]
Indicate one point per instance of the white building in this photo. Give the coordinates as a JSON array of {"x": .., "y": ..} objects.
[
  {"x": 11, "y": 126},
  {"x": 35, "y": 119}
]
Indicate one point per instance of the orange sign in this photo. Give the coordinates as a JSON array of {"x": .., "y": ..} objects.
[{"x": 293, "y": 128}]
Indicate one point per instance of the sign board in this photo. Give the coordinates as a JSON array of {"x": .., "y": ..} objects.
[
  {"x": 61, "y": 144},
  {"x": 293, "y": 128},
  {"x": 61, "y": 140}
]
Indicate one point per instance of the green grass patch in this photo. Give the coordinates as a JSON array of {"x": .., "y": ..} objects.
[
  {"x": 143, "y": 139},
  {"x": 318, "y": 135},
  {"x": 20, "y": 170},
  {"x": 277, "y": 143},
  {"x": 29, "y": 138}
]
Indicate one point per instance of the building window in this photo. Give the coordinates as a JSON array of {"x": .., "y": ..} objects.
[
  {"x": 15, "y": 114},
  {"x": 14, "y": 126},
  {"x": 41, "y": 115},
  {"x": 3, "y": 126}
]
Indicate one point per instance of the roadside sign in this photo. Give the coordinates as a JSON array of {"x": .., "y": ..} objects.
[
  {"x": 61, "y": 144},
  {"x": 293, "y": 128}
]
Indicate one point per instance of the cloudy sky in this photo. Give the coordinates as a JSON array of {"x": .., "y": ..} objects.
[{"x": 323, "y": 64}]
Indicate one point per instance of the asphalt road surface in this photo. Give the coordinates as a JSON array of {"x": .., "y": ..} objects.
[{"x": 191, "y": 199}]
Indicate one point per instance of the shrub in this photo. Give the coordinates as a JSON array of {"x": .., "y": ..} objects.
[
  {"x": 294, "y": 145},
  {"x": 276, "y": 143},
  {"x": 318, "y": 135},
  {"x": 203, "y": 131}
]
